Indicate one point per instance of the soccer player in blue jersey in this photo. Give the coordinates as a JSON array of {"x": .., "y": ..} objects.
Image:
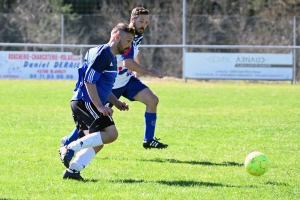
[
  {"x": 127, "y": 85},
  {"x": 96, "y": 77}
]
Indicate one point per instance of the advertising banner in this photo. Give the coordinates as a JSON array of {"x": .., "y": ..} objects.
[
  {"x": 38, "y": 65},
  {"x": 238, "y": 66}
]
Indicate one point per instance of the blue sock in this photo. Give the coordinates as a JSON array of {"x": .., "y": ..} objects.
[
  {"x": 74, "y": 135},
  {"x": 150, "y": 122}
]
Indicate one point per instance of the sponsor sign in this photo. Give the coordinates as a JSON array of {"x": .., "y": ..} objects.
[
  {"x": 239, "y": 66},
  {"x": 38, "y": 65}
]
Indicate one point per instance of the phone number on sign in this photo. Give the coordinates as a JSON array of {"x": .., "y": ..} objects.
[{"x": 51, "y": 76}]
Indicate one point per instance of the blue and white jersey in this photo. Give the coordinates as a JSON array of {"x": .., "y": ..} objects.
[
  {"x": 100, "y": 68},
  {"x": 125, "y": 74}
]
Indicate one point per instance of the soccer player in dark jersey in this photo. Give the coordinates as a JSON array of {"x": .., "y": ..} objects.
[
  {"x": 96, "y": 77},
  {"x": 130, "y": 87}
]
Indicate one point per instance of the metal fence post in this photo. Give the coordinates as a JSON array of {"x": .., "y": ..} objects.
[
  {"x": 295, "y": 51},
  {"x": 62, "y": 31},
  {"x": 183, "y": 36}
]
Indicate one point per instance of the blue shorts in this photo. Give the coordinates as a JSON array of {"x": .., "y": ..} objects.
[{"x": 129, "y": 90}]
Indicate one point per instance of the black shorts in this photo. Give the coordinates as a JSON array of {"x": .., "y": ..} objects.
[{"x": 87, "y": 117}]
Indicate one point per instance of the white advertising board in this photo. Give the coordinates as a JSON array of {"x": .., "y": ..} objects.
[
  {"x": 238, "y": 66},
  {"x": 38, "y": 65}
]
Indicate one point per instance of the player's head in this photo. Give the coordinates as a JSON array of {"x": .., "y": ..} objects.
[
  {"x": 123, "y": 35},
  {"x": 139, "y": 19}
]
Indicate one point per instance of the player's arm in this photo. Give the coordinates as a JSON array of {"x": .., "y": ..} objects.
[
  {"x": 93, "y": 93},
  {"x": 121, "y": 105},
  {"x": 93, "y": 74},
  {"x": 134, "y": 66}
]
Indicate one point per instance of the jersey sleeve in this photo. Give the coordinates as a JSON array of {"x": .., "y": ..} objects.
[
  {"x": 129, "y": 53},
  {"x": 96, "y": 67}
]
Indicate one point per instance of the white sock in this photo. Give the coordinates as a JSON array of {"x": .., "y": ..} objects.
[
  {"x": 90, "y": 140},
  {"x": 82, "y": 159}
]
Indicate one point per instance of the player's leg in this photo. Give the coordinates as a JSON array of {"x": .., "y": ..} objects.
[
  {"x": 147, "y": 97},
  {"x": 84, "y": 156},
  {"x": 95, "y": 138},
  {"x": 137, "y": 91},
  {"x": 73, "y": 135},
  {"x": 82, "y": 159},
  {"x": 101, "y": 131},
  {"x": 87, "y": 117},
  {"x": 86, "y": 148},
  {"x": 62, "y": 148},
  {"x": 73, "y": 173}
]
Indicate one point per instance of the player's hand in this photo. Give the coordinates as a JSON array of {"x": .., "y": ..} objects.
[
  {"x": 121, "y": 105},
  {"x": 106, "y": 111},
  {"x": 156, "y": 73}
]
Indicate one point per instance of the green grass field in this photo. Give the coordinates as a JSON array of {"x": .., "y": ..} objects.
[{"x": 210, "y": 129}]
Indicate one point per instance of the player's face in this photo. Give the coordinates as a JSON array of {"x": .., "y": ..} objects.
[
  {"x": 125, "y": 43},
  {"x": 141, "y": 23}
]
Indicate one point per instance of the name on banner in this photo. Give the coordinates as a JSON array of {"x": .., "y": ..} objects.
[{"x": 42, "y": 64}]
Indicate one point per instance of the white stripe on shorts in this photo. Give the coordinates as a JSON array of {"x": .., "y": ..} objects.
[{"x": 91, "y": 110}]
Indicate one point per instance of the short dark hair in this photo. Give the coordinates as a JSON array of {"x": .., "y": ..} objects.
[
  {"x": 123, "y": 27},
  {"x": 137, "y": 11}
]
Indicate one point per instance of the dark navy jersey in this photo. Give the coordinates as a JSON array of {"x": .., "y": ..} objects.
[
  {"x": 125, "y": 74},
  {"x": 100, "y": 68}
]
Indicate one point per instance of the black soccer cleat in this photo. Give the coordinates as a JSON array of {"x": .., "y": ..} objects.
[
  {"x": 72, "y": 175},
  {"x": 154, "y": 143}
]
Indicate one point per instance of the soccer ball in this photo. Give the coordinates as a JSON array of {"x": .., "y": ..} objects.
[{"x": 256, "y": 163}]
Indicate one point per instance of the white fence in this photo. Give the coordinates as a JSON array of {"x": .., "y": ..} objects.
[{"x": 183, "y": 47}]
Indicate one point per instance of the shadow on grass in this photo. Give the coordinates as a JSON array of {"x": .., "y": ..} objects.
[
  {"x": 278, "y": 184},
  {"x": 206, "y": 163},
  {"x": 90, "y": 180},
  {"x": 178, "y": 183},
  {"x": 5, "y": 198}
]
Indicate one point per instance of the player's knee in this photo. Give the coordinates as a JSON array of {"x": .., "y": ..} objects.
[
  {"x": 109, "y": 135},
  {"x": 154, "y": 100},
  {"x": 112, "y": 136}
]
